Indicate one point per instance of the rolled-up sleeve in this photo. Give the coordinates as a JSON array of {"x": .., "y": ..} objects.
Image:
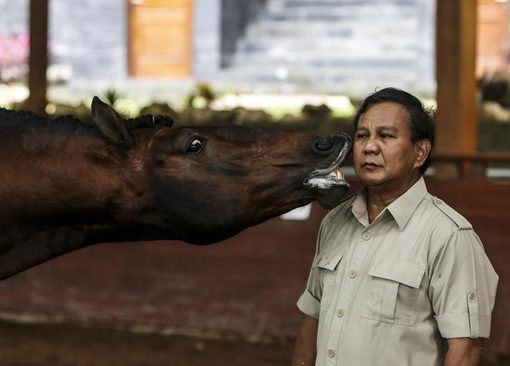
[
  {"x": 309, "y": 301},
  {"x": 309, "y": 305},
  {"x": 463, "y": 287}
]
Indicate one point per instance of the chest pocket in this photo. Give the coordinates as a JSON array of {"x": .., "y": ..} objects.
[
  {"x": 392, "y": 291},
  {"x": 327, "y": 266}
]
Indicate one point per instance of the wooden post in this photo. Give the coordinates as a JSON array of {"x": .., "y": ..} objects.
[
  {"x": 38, "y": 56},
  {"x": 456, "y": 119}
]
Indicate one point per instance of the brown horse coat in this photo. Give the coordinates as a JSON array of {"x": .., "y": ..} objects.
[{"x": 65, "y": 184}]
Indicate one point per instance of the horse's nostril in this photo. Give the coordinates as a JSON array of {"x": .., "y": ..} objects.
[{"x": 323, "y": 145}]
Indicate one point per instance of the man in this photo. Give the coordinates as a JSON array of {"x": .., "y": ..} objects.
[{"x": 399, "y": 278}]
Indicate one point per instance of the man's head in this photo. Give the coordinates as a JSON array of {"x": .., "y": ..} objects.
[
  {"x": 420, "y": 121},
  {"x": 394, "y": 136}
]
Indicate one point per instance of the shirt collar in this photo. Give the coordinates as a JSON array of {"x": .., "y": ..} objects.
[
  {"x": 359, "y": 207},
  {"x": 401, "y": 209}
]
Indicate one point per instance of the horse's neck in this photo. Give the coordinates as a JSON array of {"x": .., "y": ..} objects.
[
  {"x": 33, "y": 247},
  {"x": 31, "y": 240},
  {"x": 54, "y": 176},
  {"x": 54, "y": 200}
]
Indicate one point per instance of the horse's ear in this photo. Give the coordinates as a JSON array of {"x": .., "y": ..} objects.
[{"x": 112, "y": 126}]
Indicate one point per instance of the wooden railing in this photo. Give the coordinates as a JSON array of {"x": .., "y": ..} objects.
[
  {"x": 470, "y": 165},
  {"x": 459, "y": 165}
]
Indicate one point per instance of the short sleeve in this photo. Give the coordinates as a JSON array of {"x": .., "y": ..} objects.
[
  {"x": 309, "y": 301},
  {"x": 462, "y": 287}
]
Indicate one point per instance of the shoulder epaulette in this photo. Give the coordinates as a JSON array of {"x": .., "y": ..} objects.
[
  {"x": 456, "y": 217},
  {"x": 334, "y": 211}
]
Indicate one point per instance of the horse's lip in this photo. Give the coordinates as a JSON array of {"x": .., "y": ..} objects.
[{"x": 331, "y": 176}]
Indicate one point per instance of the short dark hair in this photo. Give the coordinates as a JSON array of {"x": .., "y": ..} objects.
[{"x": 420, "y": 119}]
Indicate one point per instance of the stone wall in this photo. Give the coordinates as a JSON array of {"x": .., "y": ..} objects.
[
  {"x": 88, "y": 36},
  {"x": 13, "y": 17},
  {"x": 353, "y": 46},
  {"x": 91, "y": 36},
  {"x": 206, "y": 39},
  {"x": 329, "y": 46},
  {"x": 235, "y": 17}
]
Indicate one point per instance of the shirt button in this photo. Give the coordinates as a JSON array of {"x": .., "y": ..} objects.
[
  {"x": 366, "y": 236},
  {"x": 331, "y": 353},
  {"x": 353, "y": 273},
  {"x": 472, "y": 296},
  {"x": 340, "y": 312}
]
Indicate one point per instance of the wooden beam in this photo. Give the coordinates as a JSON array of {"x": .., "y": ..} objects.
[
  {"x": 38, "y": 56},
  {"x": 456, "y": 119}
]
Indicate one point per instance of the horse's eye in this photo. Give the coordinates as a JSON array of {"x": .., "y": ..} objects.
[{"x": 195, "y": 146}]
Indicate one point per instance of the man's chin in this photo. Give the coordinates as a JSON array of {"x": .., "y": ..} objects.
[{"x": 371, "y": 178}]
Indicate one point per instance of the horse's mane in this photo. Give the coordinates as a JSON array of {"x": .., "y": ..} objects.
[
  {"x": 69, "y": 123},
  {"x": 28, "y": 119}
]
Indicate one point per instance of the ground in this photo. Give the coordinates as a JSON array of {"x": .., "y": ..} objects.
[{"x": 77, "y": 345}]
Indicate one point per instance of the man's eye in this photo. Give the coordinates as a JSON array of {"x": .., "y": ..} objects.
[{"x": 360, "y": 136}]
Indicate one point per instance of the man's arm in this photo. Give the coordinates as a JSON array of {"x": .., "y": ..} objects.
[
  {"x": 305, "y": 350},
  {"x": 464, "y": 352}
]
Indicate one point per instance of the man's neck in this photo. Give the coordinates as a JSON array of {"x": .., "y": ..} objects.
[{"x": 378, "y": 198}]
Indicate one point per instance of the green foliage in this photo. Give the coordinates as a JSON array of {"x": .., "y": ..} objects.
[
  {"x": 319, "y": 111},
  {"x": 201, "y": 97},
  {"x": 162, "y": 109},
  {"x": 111, "y": 95}
]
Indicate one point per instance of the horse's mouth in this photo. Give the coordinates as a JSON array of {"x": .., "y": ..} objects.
[{"x": 330, "y": 177}]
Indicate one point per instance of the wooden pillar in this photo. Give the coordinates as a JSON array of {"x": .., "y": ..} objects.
[
  {"x": 38, "y": 56},
  {"x": 456, "y": 119}
]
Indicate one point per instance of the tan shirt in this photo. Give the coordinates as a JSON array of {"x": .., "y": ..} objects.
[{"x": 387, "y": 293}]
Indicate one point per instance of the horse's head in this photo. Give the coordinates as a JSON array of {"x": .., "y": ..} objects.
[{"x": 205, "y": 184}]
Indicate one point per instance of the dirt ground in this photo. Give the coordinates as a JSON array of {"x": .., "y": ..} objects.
[{"x": 76, "y": 345}]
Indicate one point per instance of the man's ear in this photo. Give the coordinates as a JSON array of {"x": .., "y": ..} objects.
[
  {"x": 423, "y": 148},
  {"x": 113, "y": 127}
]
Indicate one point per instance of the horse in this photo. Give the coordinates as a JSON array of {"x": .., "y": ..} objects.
[{"x": 66, "y": 183}]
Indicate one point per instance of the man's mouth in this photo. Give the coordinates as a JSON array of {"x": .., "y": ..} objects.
[
  {"x": 332, "y": 176},
  {"x": 370, "y": 165}
]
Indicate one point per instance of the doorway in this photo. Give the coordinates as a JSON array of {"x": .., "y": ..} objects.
[{"x": 159, "y": 38}]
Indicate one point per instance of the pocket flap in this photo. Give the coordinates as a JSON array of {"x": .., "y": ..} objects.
[
  {"x": 328, "y": 261},
  {"x": 408, "y": 273}
]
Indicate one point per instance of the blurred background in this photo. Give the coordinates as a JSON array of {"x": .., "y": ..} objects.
[{"x": 300, "y": 64}]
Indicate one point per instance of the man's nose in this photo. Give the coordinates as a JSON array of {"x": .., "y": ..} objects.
[{"x": 371, "y": 146}]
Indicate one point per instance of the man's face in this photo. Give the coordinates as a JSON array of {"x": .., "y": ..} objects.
[{"x": 384, "y": 155}]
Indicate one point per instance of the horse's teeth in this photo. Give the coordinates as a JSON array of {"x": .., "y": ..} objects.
[{"x": 337, "y": 173}]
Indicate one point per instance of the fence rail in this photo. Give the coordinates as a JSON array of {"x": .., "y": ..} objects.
[{"x": 472, "y": 165}]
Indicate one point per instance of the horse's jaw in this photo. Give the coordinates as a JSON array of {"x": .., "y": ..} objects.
[{"x": 329, "y": 184}]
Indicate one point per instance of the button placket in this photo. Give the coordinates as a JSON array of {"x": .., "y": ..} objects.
[
  {"x": 366, "y": 236},
  {"x": 341, "y": 308},
  {"x": 353, "y": 274},
  {"x": 349, "y": 285},
  {"x": 340, "y": 312}
]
